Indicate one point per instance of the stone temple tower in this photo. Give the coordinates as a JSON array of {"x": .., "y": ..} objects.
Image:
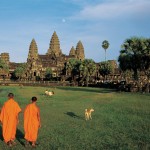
[
  {"x": 54, "y": 46},
  {"x": 5, "y": 58},
  {"x": 72, "y": 52},
  {"x": 33, "y": 50},
  {"x": 80, "y": 51},
  {"x": 34, "y": 65}
]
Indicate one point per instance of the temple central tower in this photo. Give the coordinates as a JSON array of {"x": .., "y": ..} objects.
[{"x": 54, "y": 46}]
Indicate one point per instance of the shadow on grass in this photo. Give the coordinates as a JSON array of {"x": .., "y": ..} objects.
[
  {"x": 20, "y": 137},
  {"x": 1, "y": 136},
  {"x": 73, "y": 115},
  {"x": 87, "y": 89}
]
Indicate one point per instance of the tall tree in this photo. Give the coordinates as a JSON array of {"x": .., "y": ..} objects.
[
  {"x": 145, "y": 62},
  {"x": 135, "y": 56},
  {"x": 105, "y": 45},
  {"x": 131, "y": 55}
]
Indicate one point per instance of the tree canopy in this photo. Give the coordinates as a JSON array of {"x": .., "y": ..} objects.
[
  {"x": 20, "y": 71},
  {"x": 135, "y": 55},
  {"x": 87, "y": 69},
  {"x": 48, "y": 73},
  {"x": 105, "y": 68}
]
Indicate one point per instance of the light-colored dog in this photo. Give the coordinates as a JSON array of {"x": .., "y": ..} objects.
[
  {"x": 49, "y": 93},
  {"x": 88, "y": 113}
]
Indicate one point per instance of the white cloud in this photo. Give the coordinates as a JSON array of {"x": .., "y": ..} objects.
[{"x": 115, "y": 8}]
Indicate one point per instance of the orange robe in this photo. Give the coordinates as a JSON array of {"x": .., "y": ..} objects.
[
  {"x": 31, "y": 122},
  {"x": 9, "y": 119}
]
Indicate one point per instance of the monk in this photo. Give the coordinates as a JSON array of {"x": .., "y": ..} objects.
[
  {"x": 9, "y": 119},
  {"x": 31, "y": 122}
]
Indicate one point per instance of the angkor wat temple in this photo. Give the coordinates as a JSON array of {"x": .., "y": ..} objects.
[
  {"x": 37, "y": 63},
  {"x": 54, "y": 59}
]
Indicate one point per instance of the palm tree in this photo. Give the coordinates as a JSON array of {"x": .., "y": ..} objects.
[
  {"x": 131, "y": 54},
  {"x": 105, "y": 45},
  {"x": 72, "y": 68},
  {"x": 135, "y": 56},
  {"x": 87, "y": 69}
]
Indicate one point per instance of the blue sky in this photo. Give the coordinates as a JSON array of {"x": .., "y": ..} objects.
[{"x": 91, "y": 21}]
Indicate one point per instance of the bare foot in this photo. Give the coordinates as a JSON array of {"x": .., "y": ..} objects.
[
  {"x": 13, "y": 142},
  {"x": 33, "y": 145},
  {"x": 27, "y": 144},
  {"x": 9, "y": 144}
]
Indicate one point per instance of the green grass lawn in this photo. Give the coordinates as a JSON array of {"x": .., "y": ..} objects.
[{"x": 120, "y": 120}]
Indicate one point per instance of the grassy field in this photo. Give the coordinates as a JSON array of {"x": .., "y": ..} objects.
[{"x": 120, "y": 120}]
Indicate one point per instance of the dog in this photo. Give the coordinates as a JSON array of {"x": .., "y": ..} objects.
[
  {"x": 88, "y": 113},
  {"x": 49, "y": 93}
]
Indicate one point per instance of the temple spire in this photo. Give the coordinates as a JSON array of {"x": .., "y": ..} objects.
[
  {"x": 72, "y": 51},
  {"x": 80, "y": 51},
  {"x": 33, "y": 50},
  {"x": 54, "y": 45}
]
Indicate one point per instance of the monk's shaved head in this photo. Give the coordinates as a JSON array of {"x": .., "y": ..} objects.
[
  {"x": 11, "y": 95},
  {"x": 34, "y": 99}
]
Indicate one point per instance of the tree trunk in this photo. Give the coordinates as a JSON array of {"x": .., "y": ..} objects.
[
  {"x": 136, "y": 75},
  {"x": 87, "y": 81}
]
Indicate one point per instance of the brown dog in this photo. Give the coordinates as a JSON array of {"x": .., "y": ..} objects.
[{"x": 88, "y": 113}]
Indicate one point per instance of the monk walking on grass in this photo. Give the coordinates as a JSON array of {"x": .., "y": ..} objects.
[
  {"x": 31, "y": 122},
  {"x": 9, "y": 119}
]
